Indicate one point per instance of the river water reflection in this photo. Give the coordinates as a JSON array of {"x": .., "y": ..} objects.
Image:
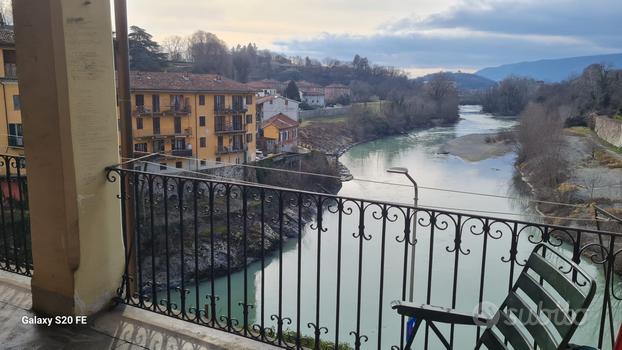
[{"x": 418, "y": 151}]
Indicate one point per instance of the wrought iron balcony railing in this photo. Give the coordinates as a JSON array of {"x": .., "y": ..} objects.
[
  {"x": 301, "y": 270},
  {"x": 15, "y": 246},
  {"x": 229, "y": 149},
  {"x": 223, "y": 128},
  {"x": 222, "y": 109},
  {"x": 182, "y": 152}
]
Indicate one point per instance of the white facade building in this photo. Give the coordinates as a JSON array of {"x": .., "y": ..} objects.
[
  {"x": 275, "y": 104},
  {"x": 314, "y": 99}
]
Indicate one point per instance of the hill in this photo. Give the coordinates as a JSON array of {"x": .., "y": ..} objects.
[
  {"x": 550, "y": 70},
  {"x": 464, "y": 81}
]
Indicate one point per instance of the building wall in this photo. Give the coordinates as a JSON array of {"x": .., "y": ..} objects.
[
  {"x": 289, "y": 145},
  {"x": 193, "y": 132},
  {"x": 314, "y": 100},
  {"x": 280, "y": 105},
  {"x": 608, "y": 129},
  {"x": 333, "y": 93},
  {"x": 8, "y": 113}
]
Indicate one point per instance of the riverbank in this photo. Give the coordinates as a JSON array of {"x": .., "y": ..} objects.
[{"x": 594, "y": 180}]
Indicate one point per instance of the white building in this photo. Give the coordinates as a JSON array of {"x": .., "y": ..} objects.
[
  {"x": 269, "y": 106},
  {"x": 314, "y": 99}
]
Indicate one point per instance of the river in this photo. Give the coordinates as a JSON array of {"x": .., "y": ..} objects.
[{"x": 417, "y": 151}]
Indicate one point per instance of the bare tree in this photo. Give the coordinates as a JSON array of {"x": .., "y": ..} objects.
[{"x": 175, "y": 47}]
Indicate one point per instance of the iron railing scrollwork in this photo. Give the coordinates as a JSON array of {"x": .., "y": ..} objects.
[
  {"x": 300, "y": 269},
  {"x": 15, "y": 244}
]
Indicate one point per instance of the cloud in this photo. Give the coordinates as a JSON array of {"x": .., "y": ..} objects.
[{"x": 475, "y": 34}]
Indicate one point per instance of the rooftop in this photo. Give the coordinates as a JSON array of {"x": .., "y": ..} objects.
[
  {"x": 273, "y": 97},
  {"x": 182, "y": 81},
  {"x": 281, "y": 121},
  {"x": 264, "y": 84},
  {"x": 7, "y": 36}
]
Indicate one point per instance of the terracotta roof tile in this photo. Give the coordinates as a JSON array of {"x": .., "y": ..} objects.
[
  {"x": 281, "y": 121},
  {"x": 7, "y": 36},
  {"x": 181, "y": 81}
]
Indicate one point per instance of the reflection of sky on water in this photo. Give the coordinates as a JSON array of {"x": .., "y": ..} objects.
[{"x": 417, "y": 151}]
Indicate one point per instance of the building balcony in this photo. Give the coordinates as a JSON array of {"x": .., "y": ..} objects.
[
  {"x": 161, "y": 135},
  {"x": 10, "y": 70},
  {"x": 229, "y": 128},
  {"x": 222, "y": 110},
  {"x": 229, "y": 149},
  {"x": 182, "y": 152},
  {"x": 143, "y": 111}
]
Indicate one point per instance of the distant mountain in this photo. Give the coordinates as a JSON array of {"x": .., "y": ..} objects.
[
  {"x": 551, "y": 70},
  {"x": 464, "y": 81}
]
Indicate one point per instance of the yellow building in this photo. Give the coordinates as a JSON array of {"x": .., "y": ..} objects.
[
  {"x": 185, "y": 116},
  {"x": 280, "y": 134},
  {"x": 11, "y": 124}
]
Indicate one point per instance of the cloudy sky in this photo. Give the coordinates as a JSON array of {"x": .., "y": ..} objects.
[{"x": 417, "y": 35}]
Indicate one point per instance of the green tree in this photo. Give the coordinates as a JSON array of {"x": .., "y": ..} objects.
[
  {"x": 145, "y": 54},
  {"x": 291, "y": 91}
]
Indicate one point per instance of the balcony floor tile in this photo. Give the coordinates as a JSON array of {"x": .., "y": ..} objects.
[{"x": 124, "y": 328}]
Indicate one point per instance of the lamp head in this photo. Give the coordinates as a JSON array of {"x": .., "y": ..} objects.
[{"x": 397, "y": 170}]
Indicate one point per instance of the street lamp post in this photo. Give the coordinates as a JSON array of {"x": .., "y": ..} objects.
[{"x": 404, "y": 171}]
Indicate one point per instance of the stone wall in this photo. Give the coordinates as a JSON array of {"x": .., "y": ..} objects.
[
  {"x": 608, "y": 129},
  {"x": 324, "y": 112}
]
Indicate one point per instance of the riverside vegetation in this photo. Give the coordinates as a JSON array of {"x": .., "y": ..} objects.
[{"x": 557, "y": 154}]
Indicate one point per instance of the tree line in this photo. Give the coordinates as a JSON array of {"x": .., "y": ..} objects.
[
  {"x": 204, "y": 52},
  {"x": 548, "y": 108}
]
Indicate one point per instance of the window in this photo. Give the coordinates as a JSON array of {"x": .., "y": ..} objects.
[
  {"x": 156, "y": 125},
  {"x": 178, "y": 165},
  {"x": 249, "y": 138},
  {"x": 249, "y": 119},
  {"x": 178, "y": 125},
  {"x": 140, "y": 100},
  {"x": 202, "y": 142},
  {"x": 238, "y": 103},
  {"x": 158, "y": 145},
  {"x": 249, "y": 99},
  {"x": 17, "y": 104},
  {"x": 201, "y": 100},
  {"x": 162, "y": 166},
  {"x": 139, "y": 123},
  {"x": 237, "y": 142},
  {"x": 220, "y": 123},
  {"x": 155, "y": 103},
  {"x": 10, "y": 66},
  {"x": 179, "y": 144},
  {"x": 140, "y": 147},
  {"x": 237, "y": 122},
  {"x": 218, "y": 159},
  {"x": 176, "y": 102},
  {"x": 203, "y": 163},
  {"x": 219, "y": 102},
  {"x": 16, "y": 135},
  {"x": 202, "y": 120}
]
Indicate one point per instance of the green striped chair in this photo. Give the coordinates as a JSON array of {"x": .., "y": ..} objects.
[{"x": 544, "y": 308}]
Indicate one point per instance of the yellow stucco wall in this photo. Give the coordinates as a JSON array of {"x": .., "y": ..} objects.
[{"x": 191, "y": 121}]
